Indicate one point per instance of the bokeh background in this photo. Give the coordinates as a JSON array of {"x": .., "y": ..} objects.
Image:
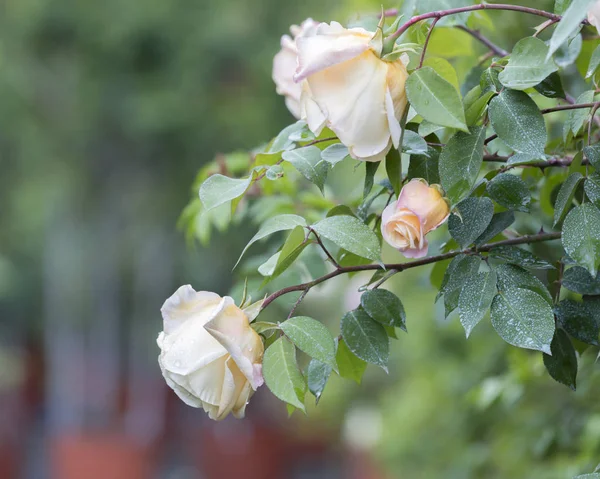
[{"x": 107, "y": 111}]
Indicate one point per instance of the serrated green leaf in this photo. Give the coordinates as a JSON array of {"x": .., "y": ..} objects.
[
  {"x": 460, "y": 162},
  {"x": 568, "y": 24},
  {"x": 444, "y": 69},
  {"x": 459, "y": 271},
  {"x": 518, "y": 122},
  {"x": 565, "y": 196},
  {"x": 351, "y": 234},
  {"x": 511, "y": 276},
  {"x": 317, "y": 375},
  {"x": 579, "y": 321},
  {"x": 219, "y": 189},
  {"x": 579, "y": 280},
  {"x": 311, "y": 337},
  {"x": 335, "y": 153},
  {"x": 581, "y": 236},
  {"x": 350, "y": 366},
  {"x": 384, "y": 307},
  {"x": 592, "y": 188},
  {"x": 509, "y": 191},
  {"x": 528, "y": 65},
  {"x": 594, "y": 62},
  {"x": 274, "y": 225},
  {"x": 475, "y": 298},
  {"x": 425, "y": 166},
  {"x": 523, "y": 318},
  {"x": 592, "y": 153},
  {"x": 562, "y": 364},
  {"x": 282, "y": 375},
  {"x": 520, "y": 257},
  {"x": 308, "y": 162},
  {"x": 366, "y": 338},
  {"x": 435, "y": 99},
  {"x": 475, "y": 216},
  {"x": 500, "y": 222}
]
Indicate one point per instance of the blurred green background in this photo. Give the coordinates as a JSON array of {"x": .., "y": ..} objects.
[{"x": 107, "y": 111}]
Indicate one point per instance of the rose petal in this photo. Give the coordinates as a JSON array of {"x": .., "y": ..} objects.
[{"x": 186, "y": 303}]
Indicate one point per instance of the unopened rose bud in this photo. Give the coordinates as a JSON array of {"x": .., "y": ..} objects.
[
  {"x": 285, "y": 64},
  {"x": 209, "y": 354},
  {"x": 347, "y": 87},
  {"x": 420, "y": 209}
]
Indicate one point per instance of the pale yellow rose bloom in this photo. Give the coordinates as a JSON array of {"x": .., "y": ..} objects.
[
  {"x": 209, "y": 354},
  {"x": 347, "y": 87},
  {"x": 420, "y": 209},
  {"x": 285, "y": 64},
  {"x": 593, "y": 14}
]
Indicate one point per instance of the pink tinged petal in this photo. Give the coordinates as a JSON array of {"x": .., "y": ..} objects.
[
  {"x": 232, "y": 329},
  {"x": 417, "y": 252},
  {"x": 352, "y": 97},
  {"x": 426, "y": 202},
  {"x": 329, "y": 45},
  {"x": 186, "y": 303},
  {"x": 385, "y": 217}
]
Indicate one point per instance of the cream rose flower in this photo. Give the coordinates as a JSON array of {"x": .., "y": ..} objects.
[
  {"x": 347, "y": 87},
  {"x": 593, "y": 14},
  {"x": 284, "y": 67},
  {"x": 209, "y": 354},
  {"x": 420, "y": 209}
]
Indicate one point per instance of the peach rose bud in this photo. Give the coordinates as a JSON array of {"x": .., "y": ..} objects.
[{"x": 420, "y": 208}]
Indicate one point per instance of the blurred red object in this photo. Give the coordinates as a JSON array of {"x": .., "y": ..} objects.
[{"x": 101, "y": 456}]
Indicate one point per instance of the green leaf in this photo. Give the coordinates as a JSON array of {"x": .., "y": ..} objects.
[
  {"x": 523, "y": 318},
  {"x": 458, "y": 273},
  {"x": 477, "y": 108},
  {"x": 528, "y": 65},
  {"x": 384, "y": 307},
  {"x": 264, "y": 328},
  {"x": 366, "y": 338},
  {"x": 282, "y": 375},
  {"x": 268, "y": 267},
  {"x": 520, "y": 257},
  {"x": 351, "y": 234},
  {"x": 511, "y": 276},
  {"x": 569, "y": 51},
  {"x": 273, "y": 225},
  {"x": 370, "y": 170},
  {"x": 500, "y": 221},
  {"x": 435, "y": 99},
  {"x": 594, "y": 62},
  {"x": 579, "y": 321},
  {"x": 489, "y": 81},
  {"x": 519, "y": 123},
  {"x": 317, "y": 375},
  {"x": 393, "y": 168},
  {"x": 311, "y": 337},
  {"x": 581, "y": 236},
  {"x": 219, "y": 189},
  {"x": 475, "y": 216},
  {"x": 460, "y": 162},
  {"x": 349, "y": 365},
  {"x": 577, "y": 118},
  {"x": 565, "y": 196},
  {"x": 510, "y": 191},
  {"x": 589, "y": 476},
  {"x": 560, "y": 6},
  {"x": 308, "y": 162},
  {"x": 562, "y": 365},
  {"x": 568, "y": 24},
  {"x": 444, "y": 69},
  {"x": 592, "y": 153},
  {"x": 425, "y": 166},
  {"x": 335, "y": 153},
  {"x": 475, "y": 299},
  {"x": 413, "y": 143},
  {"x": 579, "y": 280},
  {"x": 551, "y": 87},
  {"x": 293, "y": 246},
  {"x": 592, "y": 188}
]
